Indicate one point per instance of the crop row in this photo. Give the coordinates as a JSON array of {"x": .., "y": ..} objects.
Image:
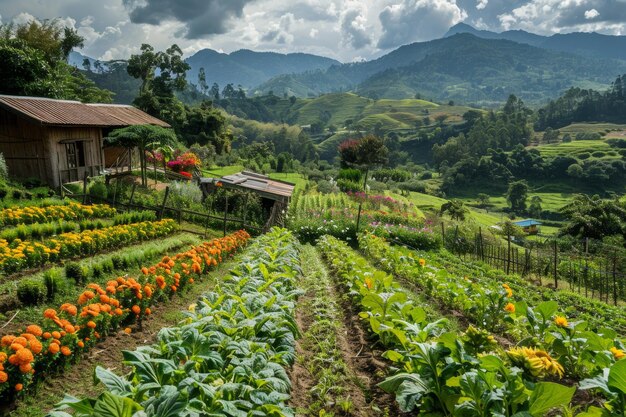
[
  {"x": 41, "y": 214},
  {"x": 463, "y": 375},
  {"x": 19, "y": 255},
  {"x": 227, "y": 358},
  {"x": 582, "y": 352},
  {"x": 65, "y": 333}
]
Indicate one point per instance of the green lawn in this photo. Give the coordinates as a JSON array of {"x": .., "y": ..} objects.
[
  {"x": 597, "y": 149},
  {"x": 222, "y": 171},
  {"x": 292, "y": 177}
]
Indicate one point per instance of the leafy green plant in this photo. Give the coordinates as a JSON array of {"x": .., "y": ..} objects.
[{"x": 31, "y": 291}]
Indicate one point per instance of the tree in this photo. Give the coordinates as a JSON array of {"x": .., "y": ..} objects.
[
  {"x": 87, "y": 64},
  {"x": 214, "y": 93},
  {"x": 204, "y": 87},
  {"x": 455, "y": 209},
  {"x": 550, "y": 135},
  {"x": 143, "y": 137},
  {"x": 535, "y": 208},
  {"x": 156, "y": 93},
  {"x": 594, "y": 217},
  {"x": 483, "y": 199},
  {"x": 517, "y": 195}
]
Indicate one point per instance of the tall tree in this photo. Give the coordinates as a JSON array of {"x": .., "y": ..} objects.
[
  {"x": 517, "y": 195},
  {"x": 594, "y": 217},
  {"x": 455, "y": 209}
]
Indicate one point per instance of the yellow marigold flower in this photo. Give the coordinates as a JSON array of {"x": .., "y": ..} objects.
[
  {"x": 422, "y": 262},
  {"x": 510, "y": 307},
  {"x": 617, "y": 353},
  {"x": 560, "y": 321}
]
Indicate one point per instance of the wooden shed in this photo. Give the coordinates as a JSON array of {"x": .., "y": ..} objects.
[{"x": 59, "y": 141}]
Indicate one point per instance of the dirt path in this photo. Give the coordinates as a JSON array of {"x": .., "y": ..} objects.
[
  {"x": 78, "y": 379},
  {"x": 336, "y": 371}
]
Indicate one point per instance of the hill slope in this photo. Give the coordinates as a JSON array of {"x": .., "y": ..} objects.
[{"x": 460, "y": 67}]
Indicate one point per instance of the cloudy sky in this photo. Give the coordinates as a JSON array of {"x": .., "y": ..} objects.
[{"x": 346, "y": 30}]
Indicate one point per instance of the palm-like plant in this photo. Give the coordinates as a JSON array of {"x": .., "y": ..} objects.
[
  {"x": 455, "y": 208},
  {"x": 143, "y": 137}
]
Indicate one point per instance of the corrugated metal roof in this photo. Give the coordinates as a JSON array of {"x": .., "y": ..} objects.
[
  {"x": 74, "y": 113},
  {"x": 527, "y": 223},
  {"x": 255, "y": 182}
]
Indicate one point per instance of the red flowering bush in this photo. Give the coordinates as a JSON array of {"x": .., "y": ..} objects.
[{"x": 184, "y": 162}]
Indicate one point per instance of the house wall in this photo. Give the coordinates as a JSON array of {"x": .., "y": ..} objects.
[
  {"x": 23, "y": 145},
  {"x": 35, "y": 151}
]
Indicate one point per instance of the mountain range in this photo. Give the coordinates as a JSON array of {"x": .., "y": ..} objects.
[
  {"x": 589, "y": 44},
  {"x": 467, "y": 65}
]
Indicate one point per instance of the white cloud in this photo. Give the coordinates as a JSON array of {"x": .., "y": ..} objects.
[
  {"x": 353, "y": 23},
  {"x": 417, "y": 20},
  {"x": 280, "y": 32},
  {"x": 313, "y": 33},
  {"x": 591, "y": 14},
  {"x": 482, "y": 4}
]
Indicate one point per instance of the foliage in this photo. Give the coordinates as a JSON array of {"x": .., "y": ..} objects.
[
  {"x": 364, "y": 153},
  {"x": 228, "y": 356},
  {"x": 31, "y": 291},
  {"x": 62, "y": 335},
  {"x": 517, "y": 195},
  {"x": 594, "y": 217},
  {"x": 68, "y": 210},
  {"x": 455, "y": 209}
]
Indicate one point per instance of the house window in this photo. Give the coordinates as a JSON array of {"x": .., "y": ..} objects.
[{"x": 75, "y": 152}]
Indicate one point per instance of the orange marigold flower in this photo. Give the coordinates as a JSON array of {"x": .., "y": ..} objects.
[
  {"x": 13, "y": 360},
  {"x": 7, "y": 340},
  {"x": 135, "y": 309},
  {"x": 111, "y": 289},
  {"x": 91, "y": 324},
  {"x": 26, "y": 368},
  {"x": 118, "y": 311},
  {"x": 56, "y": 335},
  {"x": 53, "y": 348},
  {"x": 21, "y": 340},
  {"x": 560, "y": 321},
  {"x": 34, "y": 330},
  {"x": 36, "y": 347},
  {"x": 19, "y": 387},
  {"x": 173, "y": 287},
  {"x": 191, "y": 280},
  {"x": 144, "y": 270},
  {"x": 47, "y": 335},
  {"x": 65, "y": 351},
  {"x": 510, "y": 307},
  {"x": 148, "y": 291},
  {"x": 148, "y": 311},
  {"x": 81, "y": 344},
  {"x": 24, "y": 355},
  {"x": 127, "y": 330},
  {"x": 50, "y": 313},
  {"x": 3, "y": 377},
  {"x": 3, "y": 357}
]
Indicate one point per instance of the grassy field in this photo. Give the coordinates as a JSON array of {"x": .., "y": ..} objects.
[
  {"x": 582, "y": 149},
  {"x": 292, "y": 177},
  {"x": 222, "y": 171},
  {"x": 592, "y": 128}
]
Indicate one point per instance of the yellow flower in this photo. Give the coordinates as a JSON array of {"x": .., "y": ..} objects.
[
  {"x": 422, "y": 262},
  {"x": 617, "y": 353},
  {"x": 538, "y": 362},
  {"x": 560, "y": 321},
  {"x": 510, "y": 307}
]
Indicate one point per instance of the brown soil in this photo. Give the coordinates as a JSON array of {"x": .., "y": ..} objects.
[
  {"x": 78, "y": 379},
  {"x": 366, "y": 362},
  {"x": 301, "y": 379}
]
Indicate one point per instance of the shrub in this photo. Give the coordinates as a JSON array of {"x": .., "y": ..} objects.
[
  {"x": 3, "y": 192},
  {"x": 350, "y": 174},
  {"x": 584, "y": 155},
  {"x": 75, "y": 271},
  {"x": 413, "y": 185},
  {"x": 588, "y": 136},
  {"x": 31, "y": 291},
  {"x": 325, "y": 187},
  {"x": 54, "y": 282},
  {"x": 598, "y": 154},
  {"x": 99, "y": 190},
  {"x": 347, "y": 186},
  {"x": 107, "y": 266},
  {"x": 16, "y": 194},
  {"x": 426, "y": 175}
]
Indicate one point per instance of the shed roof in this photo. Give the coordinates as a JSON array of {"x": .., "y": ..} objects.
[
  {"x": 527, "y": 223},
  {"x": 262, "y": 184},
  {"x": 54, "y": 112}
]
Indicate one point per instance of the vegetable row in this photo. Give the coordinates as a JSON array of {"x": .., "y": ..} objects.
[
  {"x": 227, "y": 358},
  {"x": 66, "y": 332},
  {"x": 19, "y": 255},
  {"x": 469, "y": 374}
]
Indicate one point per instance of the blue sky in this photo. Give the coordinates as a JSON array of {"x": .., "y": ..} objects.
[{"x": 346, "y": 30}]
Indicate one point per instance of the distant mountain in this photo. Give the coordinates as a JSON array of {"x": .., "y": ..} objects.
[
  {"x": 461, "y": 67},
  {"x": 249, "y": 68},
  {"x": 77, "y": 60},
  {"x": 582, "y": 43}
]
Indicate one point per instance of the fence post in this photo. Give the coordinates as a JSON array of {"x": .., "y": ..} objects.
[
  {"x": 225, "y": 211},
  {"x": 85, "y": 188},
  {"x": 556, "y": 275},
  {"x": 162, "y": 210},
  {"x": 443, "y": 233},
  {"x": 614, "y": 278},
  {"x": 508, "y": 253},
  {"x": 482, "y": 248},
  {"x": 358, "y": 218},
  {"x": 132, "y": 195}
]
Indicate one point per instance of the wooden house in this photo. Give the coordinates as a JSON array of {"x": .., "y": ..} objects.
[
  {"x": 60, "y": 141},
  {"x": 529, "y": 226}
]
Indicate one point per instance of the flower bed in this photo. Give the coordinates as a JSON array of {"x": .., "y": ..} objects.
[
  {"x": 69, "y": 211},
  {"x": 65, "y": 333},
  {"x": 19, "y": 254},
  {"x": 228, "y": 357}
]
